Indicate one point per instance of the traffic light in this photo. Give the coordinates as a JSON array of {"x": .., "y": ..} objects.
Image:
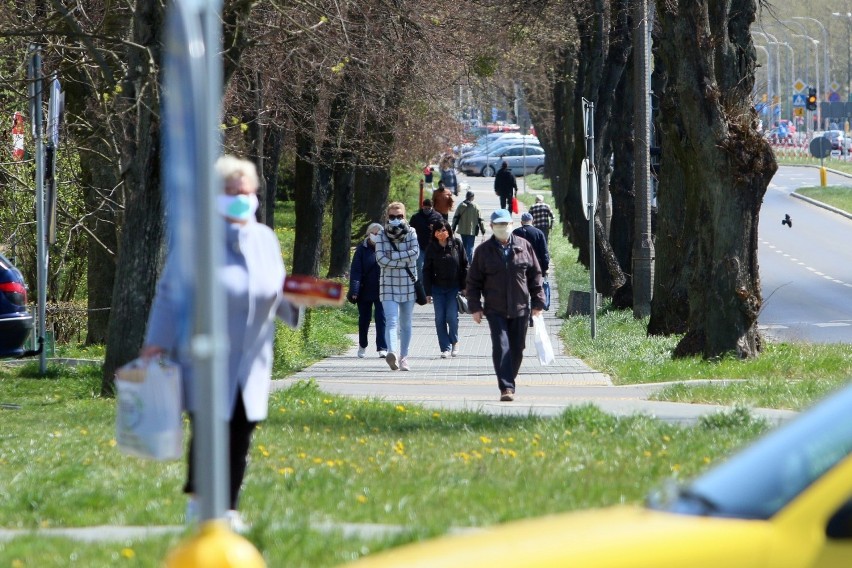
[{"x": 812, "y": 99}]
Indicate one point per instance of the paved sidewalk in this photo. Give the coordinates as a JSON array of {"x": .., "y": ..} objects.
[{"x": 468, "y": 382}]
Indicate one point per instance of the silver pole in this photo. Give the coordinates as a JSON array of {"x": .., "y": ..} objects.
[
  {"x": 41, "y": 248},
  {"x": 643, "y": 245},
  {"x": 825, "y": 52},
  {"x": 590, "y": 204}
]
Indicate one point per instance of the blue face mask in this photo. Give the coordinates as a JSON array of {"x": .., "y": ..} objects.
[
  {"x": 395, "y": 222},
  {"x": 238, "y": 207}
]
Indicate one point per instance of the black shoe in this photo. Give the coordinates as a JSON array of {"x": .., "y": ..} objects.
[{"x": 507, "y": 396}]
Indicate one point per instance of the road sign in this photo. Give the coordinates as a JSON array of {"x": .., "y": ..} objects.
[
  {"x": 799, "y": 85},
  {"x": 820, "y": 147},
  {"x": 798, "y": 100},
  {"x": 834, "y": 86},
  {"x": 799, "y": 112},
  {"x": 588, "y": 187}
]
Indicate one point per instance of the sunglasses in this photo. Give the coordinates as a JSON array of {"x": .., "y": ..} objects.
[{"x": 392, "y": 217}]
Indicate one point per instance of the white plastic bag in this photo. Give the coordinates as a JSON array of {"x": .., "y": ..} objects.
[
  {"x": 148, "y": 417},
  {"x": 542, "y": 341}
]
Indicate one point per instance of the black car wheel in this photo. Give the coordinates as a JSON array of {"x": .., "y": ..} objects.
[
  {"x": 488, "y": 171},
  {"x": 539, "y": 170}
]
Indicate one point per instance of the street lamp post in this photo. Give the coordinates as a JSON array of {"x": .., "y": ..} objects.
[
  {"x": 826, "y": 67},
  {"x": 848, "y": 16}
]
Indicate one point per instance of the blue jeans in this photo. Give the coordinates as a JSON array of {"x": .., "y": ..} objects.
[
  {"x": 468, "y": 241},
  {"x": 366, "y": 309},
  {"x": 398, "y": 326},
  {"x": 446, "y": 316}
]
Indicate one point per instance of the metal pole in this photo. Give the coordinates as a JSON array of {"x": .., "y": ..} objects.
[
  {"x": 590, "y": 204},
  {"x": 35, "y": 85},
  {"x": 643, "y": 246},
  {"x": 210, "y": 343},
  {"x": 825, "y": 53}
]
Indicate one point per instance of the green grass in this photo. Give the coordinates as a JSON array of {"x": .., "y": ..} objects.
[
  {"x": 838, "y": 196},
  {"x": 321, "y": 458},
  {"x": 785, "y": 375}
]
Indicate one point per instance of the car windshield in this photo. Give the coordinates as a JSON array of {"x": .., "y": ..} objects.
[{"x": 762, "y": 479}]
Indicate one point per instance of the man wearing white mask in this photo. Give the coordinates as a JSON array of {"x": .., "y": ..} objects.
[{"x": 506, "y": 272}]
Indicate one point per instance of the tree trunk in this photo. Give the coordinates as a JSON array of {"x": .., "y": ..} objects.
[
  {"x": 341, "y": 221},
  {"x": 274, "y": 144},
  {"x": 255, "y": 137},
  {"x": 310, "y": 206},
  {"x": 371, "y": 191},
  {"x": 142, "y": 233},
  {"x": 707, "y": 49},
  {"x": 673, "y": 249}
]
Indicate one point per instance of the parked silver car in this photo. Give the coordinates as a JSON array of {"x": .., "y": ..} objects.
[
  {"x": 494, "y": 144},
  {"x": 522, "y": 159}
]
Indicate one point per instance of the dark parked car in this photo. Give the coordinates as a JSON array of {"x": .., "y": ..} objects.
[{"x": 16, "y": 323}]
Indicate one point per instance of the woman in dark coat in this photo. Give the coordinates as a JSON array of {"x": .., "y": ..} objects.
[
  {"x": 444, "y": 274},
  {"x": 364, "y": 288}
]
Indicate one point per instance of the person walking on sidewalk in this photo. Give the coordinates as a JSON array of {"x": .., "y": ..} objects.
[
  {"x": 442, "y": 200},
  {"x": 506, "y": 186},
  {"x": 444, "y": 274},
  {"x": 396, "y": 252},
  {"x": 428, "y": 176},
  {"x": 505, "y": 272},
  {"x": 448, "y": 177},
  {"x": 422, "y": 223},
  {"x": 542, "y": 216},
  {"x": 539, "y": 245},
  {"x": 252, "y": 277},
  {"x": 467, "y": 220},
  {"x": 364, "y": 289}
]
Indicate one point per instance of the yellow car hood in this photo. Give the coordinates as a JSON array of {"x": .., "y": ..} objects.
[{"x": 620, "y": 537}]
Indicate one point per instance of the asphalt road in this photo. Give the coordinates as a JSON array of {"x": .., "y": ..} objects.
[{"x": 806, "y": 269}]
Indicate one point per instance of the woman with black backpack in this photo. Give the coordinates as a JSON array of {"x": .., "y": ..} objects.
[{"x": 444, "y": 275}]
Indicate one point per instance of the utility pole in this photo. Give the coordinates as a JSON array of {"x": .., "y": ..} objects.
[{"x": 643, "y": 245}]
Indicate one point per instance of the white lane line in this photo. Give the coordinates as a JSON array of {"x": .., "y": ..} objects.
[
  {"x": 833, "y": 324},
  {"x": 800, "y": 263}
]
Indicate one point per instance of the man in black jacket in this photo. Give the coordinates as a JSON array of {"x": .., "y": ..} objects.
[
  {"x": 538, "y": 240},
  {"x": 505, "y": 271},
  {"x": 505, "y": 186},
  {"x": 422, "y": 222}
]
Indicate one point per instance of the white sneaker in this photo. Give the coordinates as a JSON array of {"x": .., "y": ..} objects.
[
  {"x": 362, "y": 352},
  {"x": 403, "y": 364},
  {"x": 383, "y": 353},
  {"x": 445, "y": 354},
  {"x": 455, "y": 351},
  {"x": 391, "y": 359},
  {"x": 236, "y": 522}
]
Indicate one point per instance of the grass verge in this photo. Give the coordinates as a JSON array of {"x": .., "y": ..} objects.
[
  {"x": 785, "y": 375},
  {"x": 838, "y": 196},
  {"x": 320, "y": 458}
]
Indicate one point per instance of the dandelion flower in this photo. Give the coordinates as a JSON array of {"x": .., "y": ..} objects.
[{"x": 128, "y": 553}]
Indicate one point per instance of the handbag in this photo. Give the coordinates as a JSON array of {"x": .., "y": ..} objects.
[
  {"x": 515, "y": 205},
  {"x": 148, "y": 416},
  {"x": 461, "y": 301},
  {"x": 419, "y": 292},
  {"x": 542, "y": 341}
]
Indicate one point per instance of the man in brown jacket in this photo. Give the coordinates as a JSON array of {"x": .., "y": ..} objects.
[
  {"x": 506, "y": 272},
  {"x": 442, "y": 200}
]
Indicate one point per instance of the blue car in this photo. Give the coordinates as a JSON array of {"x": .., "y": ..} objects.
[{"x": 16, "y": 322}]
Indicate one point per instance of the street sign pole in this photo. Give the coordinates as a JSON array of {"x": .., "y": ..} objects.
[
  {"x": 591, "y": 196},
  {"x": 35, "y": 92}
]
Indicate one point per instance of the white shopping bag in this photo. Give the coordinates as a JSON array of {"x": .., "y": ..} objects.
[
  {"x": 148, "y": 418},
  {"x": 542, "y": 341}
]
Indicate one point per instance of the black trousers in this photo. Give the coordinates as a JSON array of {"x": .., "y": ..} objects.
[
  {"x": 240, "y": 430},
  {"x": 506, "y": 203},
  {"x": 508, "y": 340}
]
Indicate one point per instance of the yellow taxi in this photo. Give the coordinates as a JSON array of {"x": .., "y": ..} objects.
[{"x": 783, "y": 502}]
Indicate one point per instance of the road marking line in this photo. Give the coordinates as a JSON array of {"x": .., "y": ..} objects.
[{"x": 833, "y": 324}]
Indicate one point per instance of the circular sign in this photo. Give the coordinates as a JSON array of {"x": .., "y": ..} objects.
[
  {"x": 588, "y": 187},
  {"x": 820, "y": 147}
]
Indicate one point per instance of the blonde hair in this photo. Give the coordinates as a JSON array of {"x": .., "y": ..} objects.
[
  {"x": 396, "y": 205},
  {"x": 231, "y": 167}
]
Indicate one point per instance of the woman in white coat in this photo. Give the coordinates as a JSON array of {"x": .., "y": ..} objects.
[{"x": 253, "y": 278}]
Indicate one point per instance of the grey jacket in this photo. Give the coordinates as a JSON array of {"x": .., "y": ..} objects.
[{"x": 253, "y": 279}]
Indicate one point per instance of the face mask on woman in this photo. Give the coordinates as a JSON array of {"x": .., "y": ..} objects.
[
  {"x": 238, "y": 207},
  {"x": 374, "y": 237}
]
